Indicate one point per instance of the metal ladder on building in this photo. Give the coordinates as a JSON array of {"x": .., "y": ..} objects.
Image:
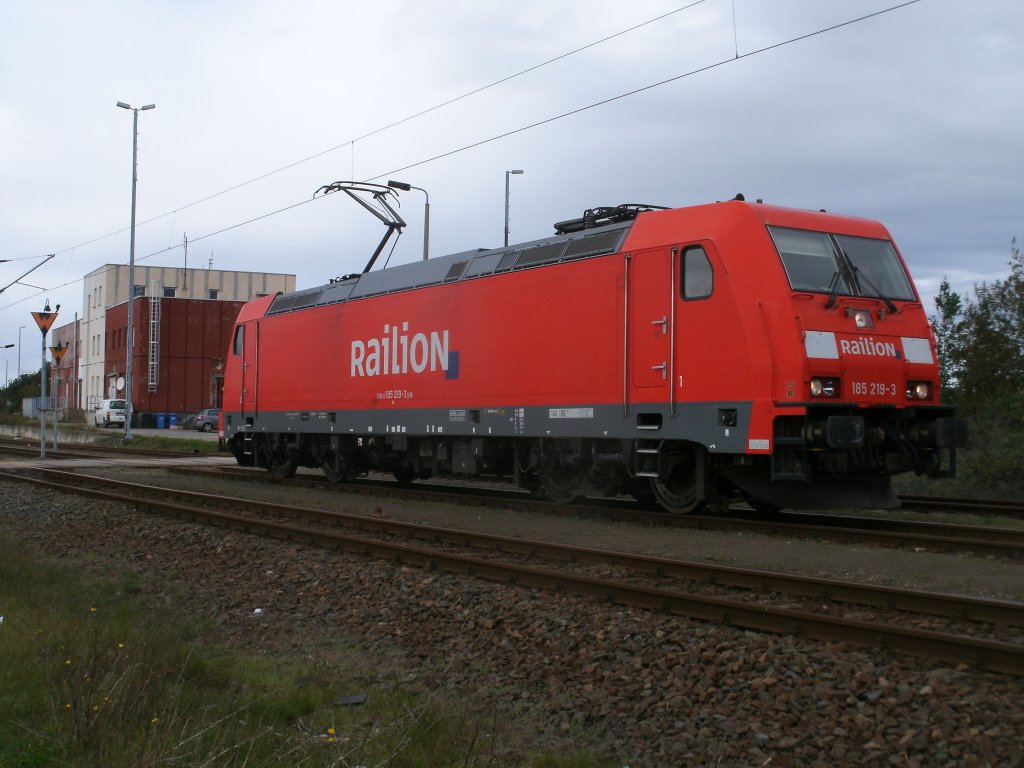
[{"x": 154, "y": 342}]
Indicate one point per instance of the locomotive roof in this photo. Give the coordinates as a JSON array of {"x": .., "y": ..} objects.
[{"x": 467, "y": 265}]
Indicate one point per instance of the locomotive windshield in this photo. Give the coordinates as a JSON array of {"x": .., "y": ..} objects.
[{"x": 819, "y": 262}]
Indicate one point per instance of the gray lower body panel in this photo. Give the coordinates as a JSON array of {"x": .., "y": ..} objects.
[{"x": 721, "y": 427}]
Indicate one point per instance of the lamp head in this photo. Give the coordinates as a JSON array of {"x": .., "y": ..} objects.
[
  {"x": 122, "y": 105},
  {"x": 399, "y": 185},
  {"x": 516, "y": 172}
]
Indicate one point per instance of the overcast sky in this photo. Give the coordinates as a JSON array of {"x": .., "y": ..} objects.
[{"x": 912, "y": 117}]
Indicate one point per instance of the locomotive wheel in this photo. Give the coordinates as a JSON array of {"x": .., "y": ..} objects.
[
  {"x": 677, "y": 492},
  {"x": 280, "y": 464},
  {"x": 335, "y": 467},
  {"x": 676, "y": 496},
  {"x": 560, "y": 483}
]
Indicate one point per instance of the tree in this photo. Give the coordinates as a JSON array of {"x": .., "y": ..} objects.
[
  {"x": 945, "y": 326},
  {"x": 980, "y": 343},
  {"x": 987, "y": 351},
  {"x": 26, "y": 385}
]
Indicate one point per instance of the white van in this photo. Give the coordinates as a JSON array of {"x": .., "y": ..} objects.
[{"x": 109, "y": 412}]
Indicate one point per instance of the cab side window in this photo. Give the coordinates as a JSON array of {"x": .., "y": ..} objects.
[
  {"x": 239, "y": 339},
  {"x": 698, "y": 277}
]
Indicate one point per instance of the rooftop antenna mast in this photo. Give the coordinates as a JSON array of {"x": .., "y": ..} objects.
[{"x": 379, "y": 207}]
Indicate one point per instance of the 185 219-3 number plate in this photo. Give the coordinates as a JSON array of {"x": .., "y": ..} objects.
[{"x": 873, "y": 389}]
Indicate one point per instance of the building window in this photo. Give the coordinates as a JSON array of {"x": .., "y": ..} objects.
[
  {"x": 213, "y": 293},
  {"x": 140, "y": 290},
  {"x": 169, "y": 293}
]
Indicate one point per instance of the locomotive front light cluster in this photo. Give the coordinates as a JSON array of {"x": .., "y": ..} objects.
[
  {"x": 861, "y": 317},
  {"x": 919, "y": 390},
  {"x": 825, "y": 387}
]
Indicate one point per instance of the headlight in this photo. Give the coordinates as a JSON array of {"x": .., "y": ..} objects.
[
  {"x": 824, "y": 387},
  {"x": 919, "y": 390},
  {"x": 861, "y": 317}
]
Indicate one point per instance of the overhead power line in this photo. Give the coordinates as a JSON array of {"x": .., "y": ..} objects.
[
  {"x": 635, "y": 91},
  {"x": 401, "y": 121},
  {"x": 554, "y": 118}
]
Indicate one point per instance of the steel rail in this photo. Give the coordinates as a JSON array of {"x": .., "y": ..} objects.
[
  {"x": 970, "y": 506},
  {"x": 989, "y": 540},
  {"x": 916, "y": 601},
  {"x": 30, "y": 451},
  {"x": 990, "y": 654},
  {"x": 88, "y": 449}
]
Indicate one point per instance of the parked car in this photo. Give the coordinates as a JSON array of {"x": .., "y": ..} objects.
[
  {"x": 206, "y": 419},
  {"x": 109, "y": 412}
]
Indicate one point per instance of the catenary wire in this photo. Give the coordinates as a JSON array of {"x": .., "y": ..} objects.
[
  {"x": 394, "y": 124},
  {"x": 482, "y": 142}
]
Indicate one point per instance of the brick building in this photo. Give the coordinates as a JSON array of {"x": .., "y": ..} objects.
[{"x": 183, "y": 320}]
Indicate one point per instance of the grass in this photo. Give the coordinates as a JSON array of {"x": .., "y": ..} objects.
[
  {"x": 93, "y": 673},
  {"x": 183, "y": 444}
]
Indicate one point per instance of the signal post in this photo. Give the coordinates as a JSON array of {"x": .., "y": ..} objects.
[
  {"x": 58, "y": 353},
  {"x": 44, "y": 320}
]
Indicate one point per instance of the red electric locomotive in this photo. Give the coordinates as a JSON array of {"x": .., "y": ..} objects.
[{"x": 688, "y": 355}]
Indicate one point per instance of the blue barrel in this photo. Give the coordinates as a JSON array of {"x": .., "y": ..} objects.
[
  {"x": 174, "y": 420},
  {"x": 161, "y": 421}
]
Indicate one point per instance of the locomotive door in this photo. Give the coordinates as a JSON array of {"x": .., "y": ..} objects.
[
  {"x": 651, "y": 309},
  {"x": 250, "y": 377}
]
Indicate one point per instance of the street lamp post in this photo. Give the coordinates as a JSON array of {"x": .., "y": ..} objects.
[
  {"x": 507, "y": 174},
  {"x": 19, "y": 351},
  {"x": 131, "y": 269},
  {"x": 426, "y": 211},
  {"x": 7, "y": 376}
]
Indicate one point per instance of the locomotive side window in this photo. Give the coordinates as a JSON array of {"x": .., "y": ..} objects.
[
  {"x": 810, "y": 261},
  {"x": 698, "y": 277},
  {"x": 237, "y": 344}
]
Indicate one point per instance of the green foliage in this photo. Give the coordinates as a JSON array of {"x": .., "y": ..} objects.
[
  {"x": 141, "y": 442},
  {"x": 945, "y": 326},
  {"x": 980, "y": 343},
  {"x": 25, "y": 386}
]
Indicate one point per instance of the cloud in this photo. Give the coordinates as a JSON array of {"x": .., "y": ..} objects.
[{"x": 911, "y": 117}]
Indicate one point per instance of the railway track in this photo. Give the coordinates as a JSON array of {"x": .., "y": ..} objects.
[
  {"x": 991, "y": 507},
  {"x": 984, "y": 632},
  {"x": 939, "y": 537},
  {"x": 30, "y": 449}
]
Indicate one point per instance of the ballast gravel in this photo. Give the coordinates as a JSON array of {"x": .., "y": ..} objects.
[{"x": 645, "y": 688}]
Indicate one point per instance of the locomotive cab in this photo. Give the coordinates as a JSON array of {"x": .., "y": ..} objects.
[{"x": 860, "y": 403}]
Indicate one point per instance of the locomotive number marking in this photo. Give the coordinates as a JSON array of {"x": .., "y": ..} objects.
[
  {"x": 394, "y": 394},
  {"x": 874, "y": 388}
]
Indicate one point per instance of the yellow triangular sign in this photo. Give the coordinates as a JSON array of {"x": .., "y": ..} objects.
[{"x": 44, "y": 320}]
